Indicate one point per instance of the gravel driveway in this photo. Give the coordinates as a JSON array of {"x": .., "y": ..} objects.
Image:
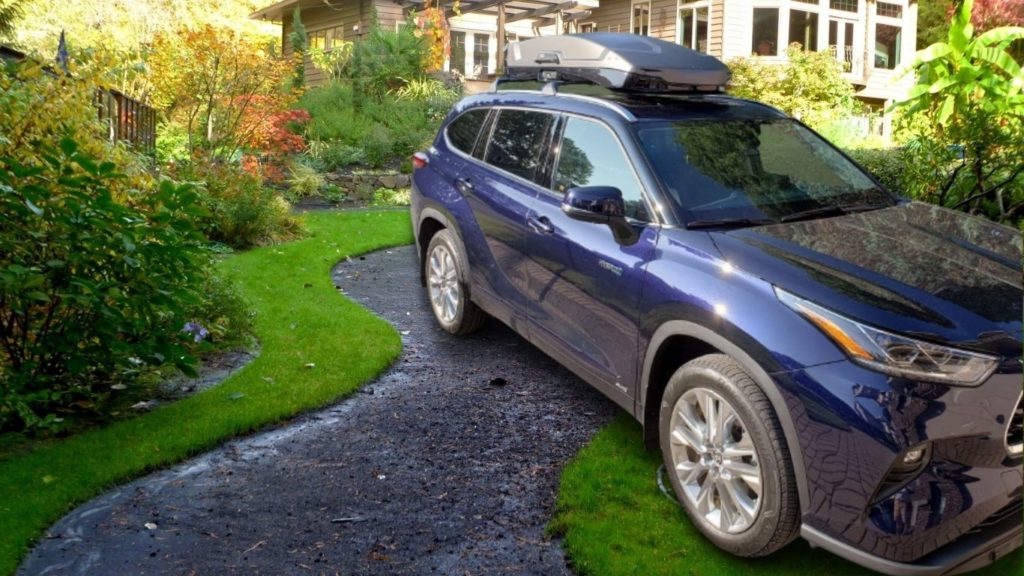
[{"x": 448, "y": 464}]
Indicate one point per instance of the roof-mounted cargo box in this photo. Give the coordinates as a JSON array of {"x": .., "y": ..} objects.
[{"x": 625, "y": 62}]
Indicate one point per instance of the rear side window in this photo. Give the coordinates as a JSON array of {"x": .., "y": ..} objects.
[
  {"x": 462, "y": 132},
  {"x": 517, "y": 142}
]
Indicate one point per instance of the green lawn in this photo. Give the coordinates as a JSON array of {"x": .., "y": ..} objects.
[
  {"x": 616, "y": 521},
  {"x": 316, "y": 347}
]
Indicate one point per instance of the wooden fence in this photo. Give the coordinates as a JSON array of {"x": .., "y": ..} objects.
[{"x": 126, "y": 119}]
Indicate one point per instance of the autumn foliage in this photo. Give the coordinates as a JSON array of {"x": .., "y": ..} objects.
[{"x": 221, "y": 86}]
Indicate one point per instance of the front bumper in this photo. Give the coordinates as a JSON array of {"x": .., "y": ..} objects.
[
  {"x": 970, "y": 552},
  {"x": 854, "y": 423}
]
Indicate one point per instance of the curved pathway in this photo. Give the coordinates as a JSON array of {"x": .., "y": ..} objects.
[{"x": 447, "y": 464}]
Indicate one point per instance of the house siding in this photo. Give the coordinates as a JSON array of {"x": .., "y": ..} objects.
[{"x": 354, "y": 15}]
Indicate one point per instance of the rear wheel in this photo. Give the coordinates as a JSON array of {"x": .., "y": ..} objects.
[
  {"x": 726, "y": 457},
  {"x": 447, "y": 279}
]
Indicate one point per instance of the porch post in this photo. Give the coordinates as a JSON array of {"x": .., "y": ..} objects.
[{"x": 501, "y": 39}]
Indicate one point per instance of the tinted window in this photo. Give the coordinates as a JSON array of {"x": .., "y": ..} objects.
[
  {"x": 753, "y": 169},
  {"x": 590, "y": 155},
  {"x": 518, "y": 141},
  {"x": 463, "y": 130}
]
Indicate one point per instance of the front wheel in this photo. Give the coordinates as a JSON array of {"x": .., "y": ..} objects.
[
  {"x": 447, "y": 279},
  {"x": 726, "y": 457}
]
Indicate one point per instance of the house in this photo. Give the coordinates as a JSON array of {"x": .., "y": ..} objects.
[
  {"x": 474, "y": 26},
  {"x": 870, "y": 37}
]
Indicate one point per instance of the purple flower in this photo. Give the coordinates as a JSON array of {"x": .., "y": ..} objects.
[{"x": 196, "y": 330}]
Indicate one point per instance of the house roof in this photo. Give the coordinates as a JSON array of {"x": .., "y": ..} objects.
[{"x": 515, "y": 10}]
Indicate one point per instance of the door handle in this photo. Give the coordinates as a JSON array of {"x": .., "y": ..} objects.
[
  {"x": 542, "y": 224},
  {"x": 464, "y": 185}
]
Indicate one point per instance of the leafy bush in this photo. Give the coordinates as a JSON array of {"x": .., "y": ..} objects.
[
  {"x": 390, "y": 197},
  {"x": 332, "y": 154},
  {"x": 969, "y": 91},
  {"x": 242, "y": 212},
  {"x": 386, "y": 60},
  {"x": 333, "y": 62},
  {"x": 305, "y": 181},
  {"x": 808, "y": 86},
  {"x": 222, "y": 314},
  {"x": 89, "y": 287},
  {"x": 888, "y": 165}
]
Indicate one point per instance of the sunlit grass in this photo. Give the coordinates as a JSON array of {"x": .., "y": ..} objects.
[
  {"x": 316, "y": 347},
  {"x": 615, "y": 521}
]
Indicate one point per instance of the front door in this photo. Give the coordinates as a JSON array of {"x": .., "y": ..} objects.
[{"x": 584, "y": 287}]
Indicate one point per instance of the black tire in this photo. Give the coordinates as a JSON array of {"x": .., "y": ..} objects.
[
  {"x": 464, "y": 317},
  {"x": 777, "y": 518}
]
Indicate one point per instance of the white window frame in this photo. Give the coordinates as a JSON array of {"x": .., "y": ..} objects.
[
  {"x": 592, "y": 24},
  {"x": 692, "y": 7},
  {"x": 632, "y": 12},
  {"x": 877, "y": 19}
]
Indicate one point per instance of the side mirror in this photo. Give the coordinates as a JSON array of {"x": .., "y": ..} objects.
[{"x": 600, "y": 205}]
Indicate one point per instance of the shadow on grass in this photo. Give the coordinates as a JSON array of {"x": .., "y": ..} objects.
[{"x": 616, "y": 521}]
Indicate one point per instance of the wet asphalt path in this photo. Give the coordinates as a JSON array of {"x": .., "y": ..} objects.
[{"x": 447, "y": 464}]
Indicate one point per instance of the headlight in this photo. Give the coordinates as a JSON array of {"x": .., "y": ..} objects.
[{"x": 894, "y": 354}]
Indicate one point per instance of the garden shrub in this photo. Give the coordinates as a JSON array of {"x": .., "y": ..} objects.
[
  {"x": 304, "y": 181},
  {"x": 332, "y": 154},
  {"x": 89, "y": 287},
  {"x": 387, "y": 59},
  {"x": 809, "y": 85},
  {"x": 887, "y": 165},
  {"x": 390, "y": 197},
  {"x": 241, "y": 211}
]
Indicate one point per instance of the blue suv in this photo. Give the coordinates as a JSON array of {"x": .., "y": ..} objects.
[{"x": 813, "y": 355}]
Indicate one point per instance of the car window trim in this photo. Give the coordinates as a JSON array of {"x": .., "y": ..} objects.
[
  {"x": 496, "y": 112},
  {"x": 655, "y": 217},
  {"x": 492, "y": 121},
  {"x": 476, "y": 140}
]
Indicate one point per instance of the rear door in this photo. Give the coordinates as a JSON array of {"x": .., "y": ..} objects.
[
  {"x": 584, "y": 287},
  {"x": 499, "y": 195}
]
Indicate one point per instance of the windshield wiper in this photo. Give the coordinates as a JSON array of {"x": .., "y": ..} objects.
[
  {"x": 834, "y": 210},
  {"x": 725, "y": 222}
]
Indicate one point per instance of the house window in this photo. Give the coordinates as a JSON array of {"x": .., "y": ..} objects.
[
  {"x": 845, "y": 5},
  {"x": 693, "y": 26},
  {"x": 335, "y": 36},
  {"x": 803, "y": 29},
  {"x": 457, "y": 57},
  {"x": 481, "y": 54},
  {"x": 766, "y": 32},
  {"x": 318, "y": 39},
  {"x": 888, "y": 45},
  {"x": 890, "y": 10},
  {"x": 640, "y": 23},
  {"x": 588, "y": 27}
]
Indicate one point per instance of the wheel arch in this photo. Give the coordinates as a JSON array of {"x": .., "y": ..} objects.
[{"x": 678, "y": 341}]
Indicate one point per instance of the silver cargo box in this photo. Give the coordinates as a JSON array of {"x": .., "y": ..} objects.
[{"x": 617, "y": 61}]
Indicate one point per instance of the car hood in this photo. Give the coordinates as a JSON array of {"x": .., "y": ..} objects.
[{"x": 913, "y": 268}]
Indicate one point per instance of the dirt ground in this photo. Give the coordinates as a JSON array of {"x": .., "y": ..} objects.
[{"x": 446, "y": 464}]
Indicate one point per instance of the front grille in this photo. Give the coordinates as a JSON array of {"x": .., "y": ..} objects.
[
  {"x": 1011, "y": 509},
  {"x": 1015, "y": 432}
]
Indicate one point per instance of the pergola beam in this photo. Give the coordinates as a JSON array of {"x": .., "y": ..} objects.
[
  {"x": 542, "y": 11},
  {"x": 466, "y": 8}
]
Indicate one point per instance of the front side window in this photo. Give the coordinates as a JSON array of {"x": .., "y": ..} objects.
[
  {"x": 517, "y": 142},
  {"x": 766, "y": 32},
  {"x": 753, "y": 169},
  {"x": 590, "y": 155},
  {"x": 693, "y": 26},
  {"x": 641, "y": 20}
]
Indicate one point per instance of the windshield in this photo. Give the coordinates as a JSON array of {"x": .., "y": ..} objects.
[{"x": 754, "y": 171}]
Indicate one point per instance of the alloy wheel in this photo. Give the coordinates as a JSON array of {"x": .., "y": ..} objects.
[
  {"x": 716, "y": 461},
  {"x": 443, "y": 282}
]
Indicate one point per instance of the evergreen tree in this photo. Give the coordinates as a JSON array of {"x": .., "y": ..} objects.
[{"x": 300, "y": 42}]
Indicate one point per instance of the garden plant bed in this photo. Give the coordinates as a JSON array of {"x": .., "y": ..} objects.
[{"x": 448, "y": 463}]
